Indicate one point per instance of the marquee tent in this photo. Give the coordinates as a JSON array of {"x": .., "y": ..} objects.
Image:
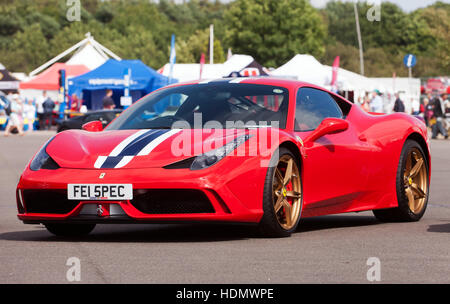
[
  {"x": 304, "y": 68},
  {"x": 408, "y": 88},
  {"x": 8, "y": 83},
  {"x": 191, "y": 71},
  {"x": 49, "y": 80},
  {"x": 89, "y": 56},
  {"x": 244, "y": 64},
  {"x": 88, "y": 52},
  {"x": 237, "y": 63},
  {"x": 110, "y": 75}
]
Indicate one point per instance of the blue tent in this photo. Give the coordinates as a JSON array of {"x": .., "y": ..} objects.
[{"x": 91, "y": 86}]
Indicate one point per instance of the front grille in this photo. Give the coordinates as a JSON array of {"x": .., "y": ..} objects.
[
  {"x": 48, "y": 201},
  {"x": 171, "y": 201}
]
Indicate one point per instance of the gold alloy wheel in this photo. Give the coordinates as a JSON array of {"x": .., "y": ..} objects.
[
  {"x": 415, "y": 180},
  {"x": 287, "y": 196}
]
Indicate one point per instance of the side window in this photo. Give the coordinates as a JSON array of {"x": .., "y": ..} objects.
[
  {"x": 344, "y": 105},
  {"x": 312, "y": 107}
]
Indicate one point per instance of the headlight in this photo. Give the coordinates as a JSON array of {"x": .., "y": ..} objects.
[
  {"x": 209, "y": 158},
  {"x": 43, "y": 161}
]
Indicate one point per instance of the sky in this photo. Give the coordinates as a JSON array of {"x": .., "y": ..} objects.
[{"x": 406, "y": 5}]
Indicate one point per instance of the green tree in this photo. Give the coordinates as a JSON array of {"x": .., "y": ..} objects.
[
  {"x": 104, "y": 14},
  {"x": 48, "y": 24},
  {"x": 347, "y": 54},
  {"x": 142, "y": 47},
  {"x": 274, "y": 30},
  {"x": 190, "y": 50},
  {"x": 437, "y": 19},
  {"x": 30, "y": 49},
  {"x": 10, "y": 22}
]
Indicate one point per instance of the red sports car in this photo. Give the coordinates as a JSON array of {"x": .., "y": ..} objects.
[{"x": 255, "y": 150}]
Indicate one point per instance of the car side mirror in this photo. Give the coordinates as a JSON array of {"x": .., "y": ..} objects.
[
  {"x": 327, "y": 126},
  {"x": 93, "y": 126}
]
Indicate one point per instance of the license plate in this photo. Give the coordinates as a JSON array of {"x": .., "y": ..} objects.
[{"x": 115, "y": 192}]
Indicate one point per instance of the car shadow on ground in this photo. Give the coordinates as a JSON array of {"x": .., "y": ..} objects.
[
  {"x": 201, "y": 232},
  {"x": 439, "y": 228},
  {"x": 335, "y": 221}
]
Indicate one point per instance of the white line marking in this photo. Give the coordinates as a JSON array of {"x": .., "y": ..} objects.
[
  {"x": 119, "y": 148},
  {"x": 125, "y": 160},
  {"x": 99, "y": 162},
  {"x": 154, "y": 143}
]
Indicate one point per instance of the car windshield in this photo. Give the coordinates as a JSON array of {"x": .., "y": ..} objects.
[{"x": 213, "y": 105}]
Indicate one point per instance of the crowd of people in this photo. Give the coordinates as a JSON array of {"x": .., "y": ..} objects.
[
  {"x": 431, "y": 108},
  {"x": 19, "y": 112}
]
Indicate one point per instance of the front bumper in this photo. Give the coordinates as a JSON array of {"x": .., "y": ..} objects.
[{"x": 232, "y": 197}]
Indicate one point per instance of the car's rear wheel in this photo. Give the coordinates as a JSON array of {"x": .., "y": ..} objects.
[
  {"x": 412, "y": 186},
  {"x": 282, "y": 200},
  {"x": 69, "y": 229}
]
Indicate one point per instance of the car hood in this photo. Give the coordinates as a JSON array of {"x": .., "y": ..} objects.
[{"x": 130, "y": 149}]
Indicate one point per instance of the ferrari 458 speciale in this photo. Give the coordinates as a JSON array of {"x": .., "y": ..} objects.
[{"x": 253, "y": 150}]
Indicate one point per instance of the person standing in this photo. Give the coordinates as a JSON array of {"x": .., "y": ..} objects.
[
  {"x": 75, "y": 103},
  {"x": 107, "y": 101},
  {"x": 40, "y": 109},
  {"x": 48, "y": 106},
  {"x": 376, "y": 104},
  {"x": 428, "y": 110},
  {"x": 15, "y": 118},
  {"x": 399, "y": 106},
  {"x": 438, "y": 104},
  {"x": 29, "y": 113}
]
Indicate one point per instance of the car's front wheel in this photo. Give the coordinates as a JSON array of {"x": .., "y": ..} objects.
[
  {"x": 282, "y": 200},
  {"x": 412, "y": 186},
  {"x": 69, "y": 229}
]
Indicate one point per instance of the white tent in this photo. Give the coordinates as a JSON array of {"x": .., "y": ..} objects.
[
  {"x": 191, "y": 71},
  {"x": 408, "y": 88},
  {"x": 351, "y": 81},
  {"x": 304, "y": 67},
  {"x": 89, "y": 53},
  {"x": 236, "y": 63},
  {"x": 88, "y": 56}
]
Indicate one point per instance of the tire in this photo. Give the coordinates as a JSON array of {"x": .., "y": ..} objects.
[
  {"x": 70, "y": 229},
  {"x": 410, "y": 209},
  {"x": 275, "y": 223}
]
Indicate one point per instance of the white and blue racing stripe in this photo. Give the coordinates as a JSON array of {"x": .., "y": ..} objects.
[{"x": 138, "y": 144}]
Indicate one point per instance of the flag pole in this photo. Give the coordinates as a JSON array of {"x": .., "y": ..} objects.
[
  {"x": 211, "y": 44},
  {"x": 358, "y": 31},
  {"x": 172, "y": 57}
]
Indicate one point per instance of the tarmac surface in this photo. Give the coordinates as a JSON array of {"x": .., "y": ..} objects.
[{"x": 329, "y": 249}]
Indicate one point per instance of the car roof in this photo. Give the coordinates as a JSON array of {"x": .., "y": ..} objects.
[{"x": 264, "y": 80}]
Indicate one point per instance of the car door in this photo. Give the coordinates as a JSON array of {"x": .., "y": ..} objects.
[{"x": 334, "y": 167}]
